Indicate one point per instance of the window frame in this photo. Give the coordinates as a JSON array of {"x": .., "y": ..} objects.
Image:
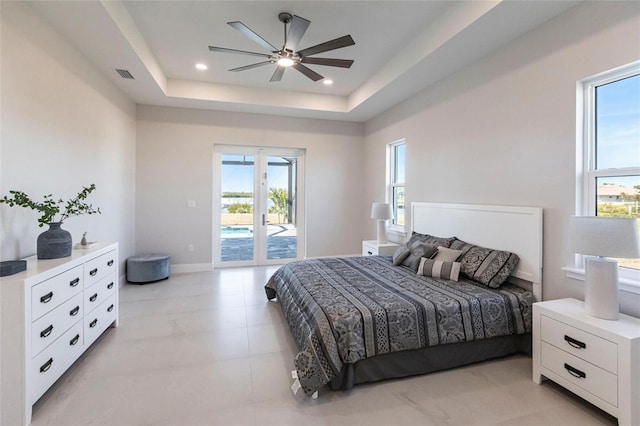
[
  {"x": 587, "y": 175},
  {"x": 392, "y": 184}
]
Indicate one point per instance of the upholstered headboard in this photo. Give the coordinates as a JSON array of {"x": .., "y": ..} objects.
[{"x": 514, "y": 229}]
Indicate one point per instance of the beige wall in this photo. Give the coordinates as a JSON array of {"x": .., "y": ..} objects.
[
  {"x": 503, "y": 131},
  {"x": 63, "y": 126},
  {"x": 175, "y": 164}
]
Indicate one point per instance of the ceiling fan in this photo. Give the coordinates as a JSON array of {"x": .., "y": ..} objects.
[{"x": 288, "y": 56}]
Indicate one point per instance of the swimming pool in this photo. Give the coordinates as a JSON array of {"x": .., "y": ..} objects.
[{"x": 236, "y": 232}]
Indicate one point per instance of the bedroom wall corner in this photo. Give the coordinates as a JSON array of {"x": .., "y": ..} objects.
[{"x": 63, "y": 126}]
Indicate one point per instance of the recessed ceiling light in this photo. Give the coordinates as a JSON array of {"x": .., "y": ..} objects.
[
  {"x": 201, "y": 66},
  {"x": 327, "y": 82}
]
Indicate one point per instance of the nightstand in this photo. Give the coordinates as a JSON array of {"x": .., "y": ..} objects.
[
  {"x": 374, "y": 248},
  {"x": 598, "y": 360}
]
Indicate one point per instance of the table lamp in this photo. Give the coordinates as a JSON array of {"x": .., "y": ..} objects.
[
  {"x": 382, "y": 212},
  {"x": 604, "y": 237}
]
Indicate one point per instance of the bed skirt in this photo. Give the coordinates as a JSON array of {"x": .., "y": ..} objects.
[{"x": 428, "y": 360}]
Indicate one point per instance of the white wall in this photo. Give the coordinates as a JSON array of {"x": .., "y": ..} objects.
[
  {"x": 503, "y": 131},
  {"x": 64, "y": 126},
  {"x": 175, "y": 164}
]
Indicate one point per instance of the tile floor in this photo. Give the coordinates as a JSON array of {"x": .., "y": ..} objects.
[{"x": 208, "y": 349}]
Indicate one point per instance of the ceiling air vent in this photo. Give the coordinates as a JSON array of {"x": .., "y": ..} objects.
[{"x": 124, "y": 74}]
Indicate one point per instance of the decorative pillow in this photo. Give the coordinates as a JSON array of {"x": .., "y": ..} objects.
[
  {"x": 430, "y": 240},
  {"x": 418, "y": 251},
  {"x": 439, "y": 269},
  {"x": 400, "y": 254},
  {"x": 447, "y": 255},
  {"x": 484, "y": 265}
]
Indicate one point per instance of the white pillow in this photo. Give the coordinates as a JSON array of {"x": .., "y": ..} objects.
[{"x": 447, "y": 254}]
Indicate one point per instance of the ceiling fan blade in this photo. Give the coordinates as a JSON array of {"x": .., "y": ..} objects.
[
  {"x": 253, "y": 36},
  {"x": 242, "y": 52},
  {"x": 297, "y": 28},
  {"x": 277, "y": 74},
  {"x": 330, "y": 62},
  {"x": 337, "y": 43},
  {"x": 308, "y": 72},
  {"x": 248, "y": 67}
]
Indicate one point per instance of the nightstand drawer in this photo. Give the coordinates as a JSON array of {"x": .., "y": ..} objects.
[
  {"x": 579, "y": 343},
  {"x": 587, "y": 376}
]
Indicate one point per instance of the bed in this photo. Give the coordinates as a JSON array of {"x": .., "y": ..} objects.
[{"x": 363, "y": 319}]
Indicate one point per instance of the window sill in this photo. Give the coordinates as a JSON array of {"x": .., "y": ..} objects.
[{"x": 625, "y": 284}]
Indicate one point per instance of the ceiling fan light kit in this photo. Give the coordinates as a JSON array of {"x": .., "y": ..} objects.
[{"x": 288, "y": 56}]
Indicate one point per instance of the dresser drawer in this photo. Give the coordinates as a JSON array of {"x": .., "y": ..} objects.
[
  {"x": 99, "y": 319},
  {"x": 50, "y": 363},
  {"x": 99, "y": 292},
  {"x": 48, "y": 294},
  {"x": 98, "y": 268},
  {"x": 594, "y": 380},
  {"x": 48, "y": 328},
  {"x": 590, "y": 348}
]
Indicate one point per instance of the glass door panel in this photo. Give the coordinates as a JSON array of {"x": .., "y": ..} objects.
[
  {"x": 237, "y": 203},
  {"x": 282, "y": 239}
]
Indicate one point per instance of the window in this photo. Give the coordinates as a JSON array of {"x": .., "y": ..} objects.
[
  {"x": 396, "y": 161},
  {"x": 610, "y": 183}
]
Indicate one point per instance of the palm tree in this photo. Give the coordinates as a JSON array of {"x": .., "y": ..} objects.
[{"x": 280, "y": 199}]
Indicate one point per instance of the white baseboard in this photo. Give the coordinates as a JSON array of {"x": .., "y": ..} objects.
[{"x": 191, "y": 267}]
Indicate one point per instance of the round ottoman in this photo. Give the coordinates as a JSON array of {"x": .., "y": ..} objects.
[{"x": 147, "y": 268}]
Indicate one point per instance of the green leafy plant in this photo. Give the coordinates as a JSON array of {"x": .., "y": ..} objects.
[{"x": 49, "y": 207}]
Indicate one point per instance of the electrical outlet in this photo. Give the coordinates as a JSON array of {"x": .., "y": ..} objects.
[{"x": 189, "y": 247}]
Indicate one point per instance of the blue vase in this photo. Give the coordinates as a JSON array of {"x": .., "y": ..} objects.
[{"x": 54, "y": 243}]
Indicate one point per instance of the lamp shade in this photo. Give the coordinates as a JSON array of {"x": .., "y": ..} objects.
[
  {"x": 381, "y": 211},
  {"x": 604, "y": 236}
]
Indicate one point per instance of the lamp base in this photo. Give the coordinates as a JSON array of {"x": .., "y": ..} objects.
[
  {"x": 382, "y": 232},
  {"x": 601, "y": 288}
]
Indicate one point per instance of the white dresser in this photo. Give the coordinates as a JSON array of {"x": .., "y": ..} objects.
[
  {"x": 50, "y": 314},
  {"x": 597, "y": 359}
]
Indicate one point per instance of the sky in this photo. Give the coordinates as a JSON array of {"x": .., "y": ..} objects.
[
  {"x": 618, "y": 129},
  {"x": 240, "y": 178}
]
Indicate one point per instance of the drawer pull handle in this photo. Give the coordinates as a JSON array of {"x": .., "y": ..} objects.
[
  {"x": 575, "y": 372},
  {"x": 75, "y": 282},
  {"x": 73, "y": 341},
  {"x": 110, "y": 263},
  {"x": 110, "y": 285},
  {"x": 93, "y": 272},
  {"x": 370, "y": 253},
  {"x": 93, "y": 298},
  {"x": 74, "y": 311},
  {"x": 47, "y": 331},
  {"x": 93, "y": 323},
  {"x": 46, "y": 298},
  {"x": 110, "y": 308},
  {"x": 46, "y": 365},
  {"x": 575, "y": 343}
]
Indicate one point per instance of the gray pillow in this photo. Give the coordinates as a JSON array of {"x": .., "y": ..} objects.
[
  {"x": 430, "y": 240},
  {"x": 439, "y": 269},
  {"x": 400, "y": 254},
  {"x": 418, "y": 251},
  {"x": 484, "y": 265}
]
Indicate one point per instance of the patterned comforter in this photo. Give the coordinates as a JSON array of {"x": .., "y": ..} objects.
[{"x": 342, "y": 310}]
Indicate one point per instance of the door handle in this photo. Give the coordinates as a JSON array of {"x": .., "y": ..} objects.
[{"x": 264, "y": 219}]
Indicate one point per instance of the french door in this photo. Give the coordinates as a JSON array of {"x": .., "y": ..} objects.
[{"x": 258, "y": 206}]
